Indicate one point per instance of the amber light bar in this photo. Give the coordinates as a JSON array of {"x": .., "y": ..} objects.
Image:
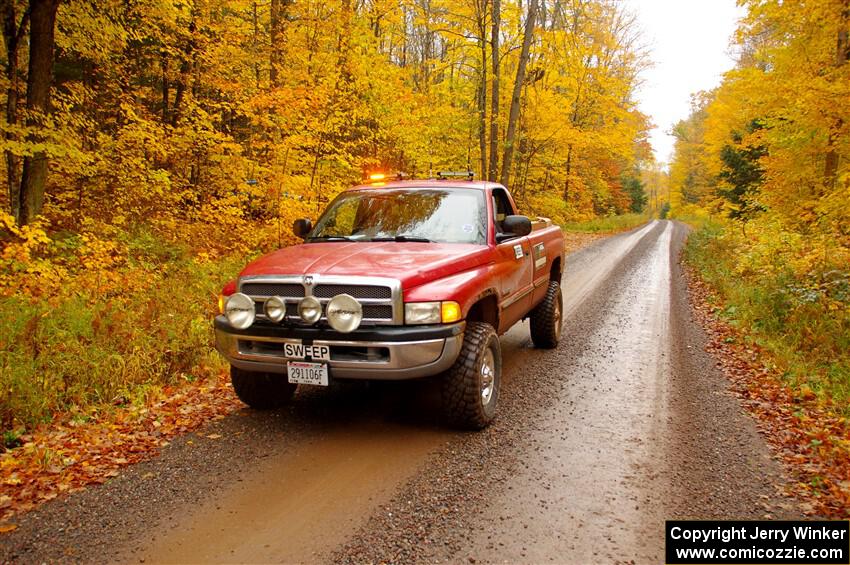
[{"x": 382, "y": 177}]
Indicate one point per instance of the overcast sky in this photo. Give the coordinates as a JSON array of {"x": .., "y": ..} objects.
[{"x": 689, "y": 45}]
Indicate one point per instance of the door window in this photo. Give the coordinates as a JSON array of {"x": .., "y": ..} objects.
[{"x": 502, "y": 208}]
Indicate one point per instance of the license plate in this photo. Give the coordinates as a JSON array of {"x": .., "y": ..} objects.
[
  {"x": 307, "y": 373},
  {"x": 301, "y": 351}
]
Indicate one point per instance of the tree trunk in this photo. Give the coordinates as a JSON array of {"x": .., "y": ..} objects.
[
  {"x": 482, "y": 120},
  {"x": 166, "y": 86},
  {"x": 493, "y": 170},
  {"x": 513, "y": 116},
  {"x": 186, "y": 65},
  {"x": 34, "y": 176},
  {"x": 255, "y": 20},
  {"x": 842, "y": 56},
  {"x": 13, "y": 33},
  {"x": 279, "y": 9},
  {"x": 569, "y": 171},
  {"x": 404, "y": 39},
  {"x": 274, "y": 37},
  {"x": 482, "y": 88}
]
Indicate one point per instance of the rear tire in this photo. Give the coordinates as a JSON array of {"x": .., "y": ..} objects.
[
  {"x": 470, "y": 388},
  {"x": 546, "y": 318},
  {"x": 261, "y": 391}
]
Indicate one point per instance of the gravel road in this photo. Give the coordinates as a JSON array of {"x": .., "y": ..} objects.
[{"x": 626, "y": 424}]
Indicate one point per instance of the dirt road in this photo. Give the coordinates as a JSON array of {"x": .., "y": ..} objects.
[{"x": 626, "y": 424}]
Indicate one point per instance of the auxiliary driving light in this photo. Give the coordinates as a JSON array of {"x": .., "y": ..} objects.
[
  {"x": 275, "y": 309},
  {"x": 310, "y": 309},
  {"x": 344, "y": 313},
  {"x": 239, "y": 311}
]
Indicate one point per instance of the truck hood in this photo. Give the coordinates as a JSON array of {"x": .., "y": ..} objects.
[{"x": 411, "y": 263}]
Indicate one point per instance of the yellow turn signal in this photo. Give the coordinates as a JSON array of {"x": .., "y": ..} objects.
[
  {"x": 450, "y": 312},
  {"x": 221, "y": 304}
]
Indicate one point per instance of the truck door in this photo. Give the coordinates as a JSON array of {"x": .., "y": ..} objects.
[{"x": 515, "y": 266}]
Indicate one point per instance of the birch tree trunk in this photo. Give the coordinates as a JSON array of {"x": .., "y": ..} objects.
[
  {"x": 513, "y": 116},
  {"x": 493, "y": 169}
]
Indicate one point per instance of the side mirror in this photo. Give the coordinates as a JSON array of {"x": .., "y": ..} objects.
[
  {"x": 302, "y": 227},
  {"x": 514, "y": 226}
]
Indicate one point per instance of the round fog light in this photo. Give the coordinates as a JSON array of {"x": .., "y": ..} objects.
[
  {"x": 239, "y": 310},
  {"x": 344, "y": 313},
  {"x": 310, "y": 309},
  {"x": 275, "y": 309}
]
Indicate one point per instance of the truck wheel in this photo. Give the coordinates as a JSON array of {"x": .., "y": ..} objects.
[
  {"x": 470, "y": 388},
  {"x": 263, "y": 391},
  {"x": 546, "y": 318}
]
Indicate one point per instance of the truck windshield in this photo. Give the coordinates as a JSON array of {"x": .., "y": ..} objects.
[{"x": 438, "y": 215}]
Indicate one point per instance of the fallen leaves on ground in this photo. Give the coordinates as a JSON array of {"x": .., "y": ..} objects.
[
  {"x": 63, "y": 457},
  {"x": 808, "y": 435},
  {"x": 573, "y": 241}
]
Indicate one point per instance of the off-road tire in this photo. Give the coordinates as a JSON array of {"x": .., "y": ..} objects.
[
  {"x": 463, "y": 403},
  {"x": 262, "y": 391},
  {"x": 547, "y": 318}
]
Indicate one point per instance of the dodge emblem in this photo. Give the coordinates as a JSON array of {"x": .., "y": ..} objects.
[{"x": 308, "y": 280}]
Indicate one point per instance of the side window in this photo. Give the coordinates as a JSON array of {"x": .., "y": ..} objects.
[{"x": 501, "y": 207}]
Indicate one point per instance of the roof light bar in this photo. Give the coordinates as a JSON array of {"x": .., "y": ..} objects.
[
  {"x": 385, "y": 177},
  {"x": 443, "y": 175}
]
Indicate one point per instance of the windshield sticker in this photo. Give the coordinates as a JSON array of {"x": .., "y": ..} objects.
[{"x": 468, "y": 228}]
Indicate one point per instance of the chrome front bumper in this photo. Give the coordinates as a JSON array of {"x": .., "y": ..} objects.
[{"x": 379, "y": 354}]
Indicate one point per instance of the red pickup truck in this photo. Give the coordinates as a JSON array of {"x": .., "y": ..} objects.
[{"x": 397, "y": 280}]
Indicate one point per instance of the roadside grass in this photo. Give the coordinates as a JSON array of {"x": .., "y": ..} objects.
[
  {"x": 788, "y": 297},
  {"x": 777, "y": 306},
  {"x": 107, "y": 336},
  {"x": 608, "y": 224}
]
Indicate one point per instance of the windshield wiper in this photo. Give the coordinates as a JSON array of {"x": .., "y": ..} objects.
[
  {"x": 403, "y": 239},
  {"x": 329, "y": 238}
]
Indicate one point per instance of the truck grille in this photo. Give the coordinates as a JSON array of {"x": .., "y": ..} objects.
[
  {"x": 268, "y": 290},
  {"x": 357, "y": 291},
  {"x": 378, "y": 312},
  {"x": 381, "y": 302}
]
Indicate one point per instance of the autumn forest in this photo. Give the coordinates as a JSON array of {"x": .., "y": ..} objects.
[{"x": 151, "y": 146}]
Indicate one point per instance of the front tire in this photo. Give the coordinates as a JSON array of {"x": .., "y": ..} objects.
[
  {"x": 261, "y": 391},
  {"x": 546, "y": 318},
  {"x": 470, "y": 388}
]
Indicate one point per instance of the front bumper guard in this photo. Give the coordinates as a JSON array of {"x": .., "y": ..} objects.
[{"x": 386, "y": 353}]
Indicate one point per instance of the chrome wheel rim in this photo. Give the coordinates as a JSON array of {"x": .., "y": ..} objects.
[
  {"x": 488, "y": 376},
  {"x": 558, "y": 319}
]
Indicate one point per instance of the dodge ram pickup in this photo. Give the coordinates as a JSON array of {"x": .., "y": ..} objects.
[{"x": 404, "y": 279}]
